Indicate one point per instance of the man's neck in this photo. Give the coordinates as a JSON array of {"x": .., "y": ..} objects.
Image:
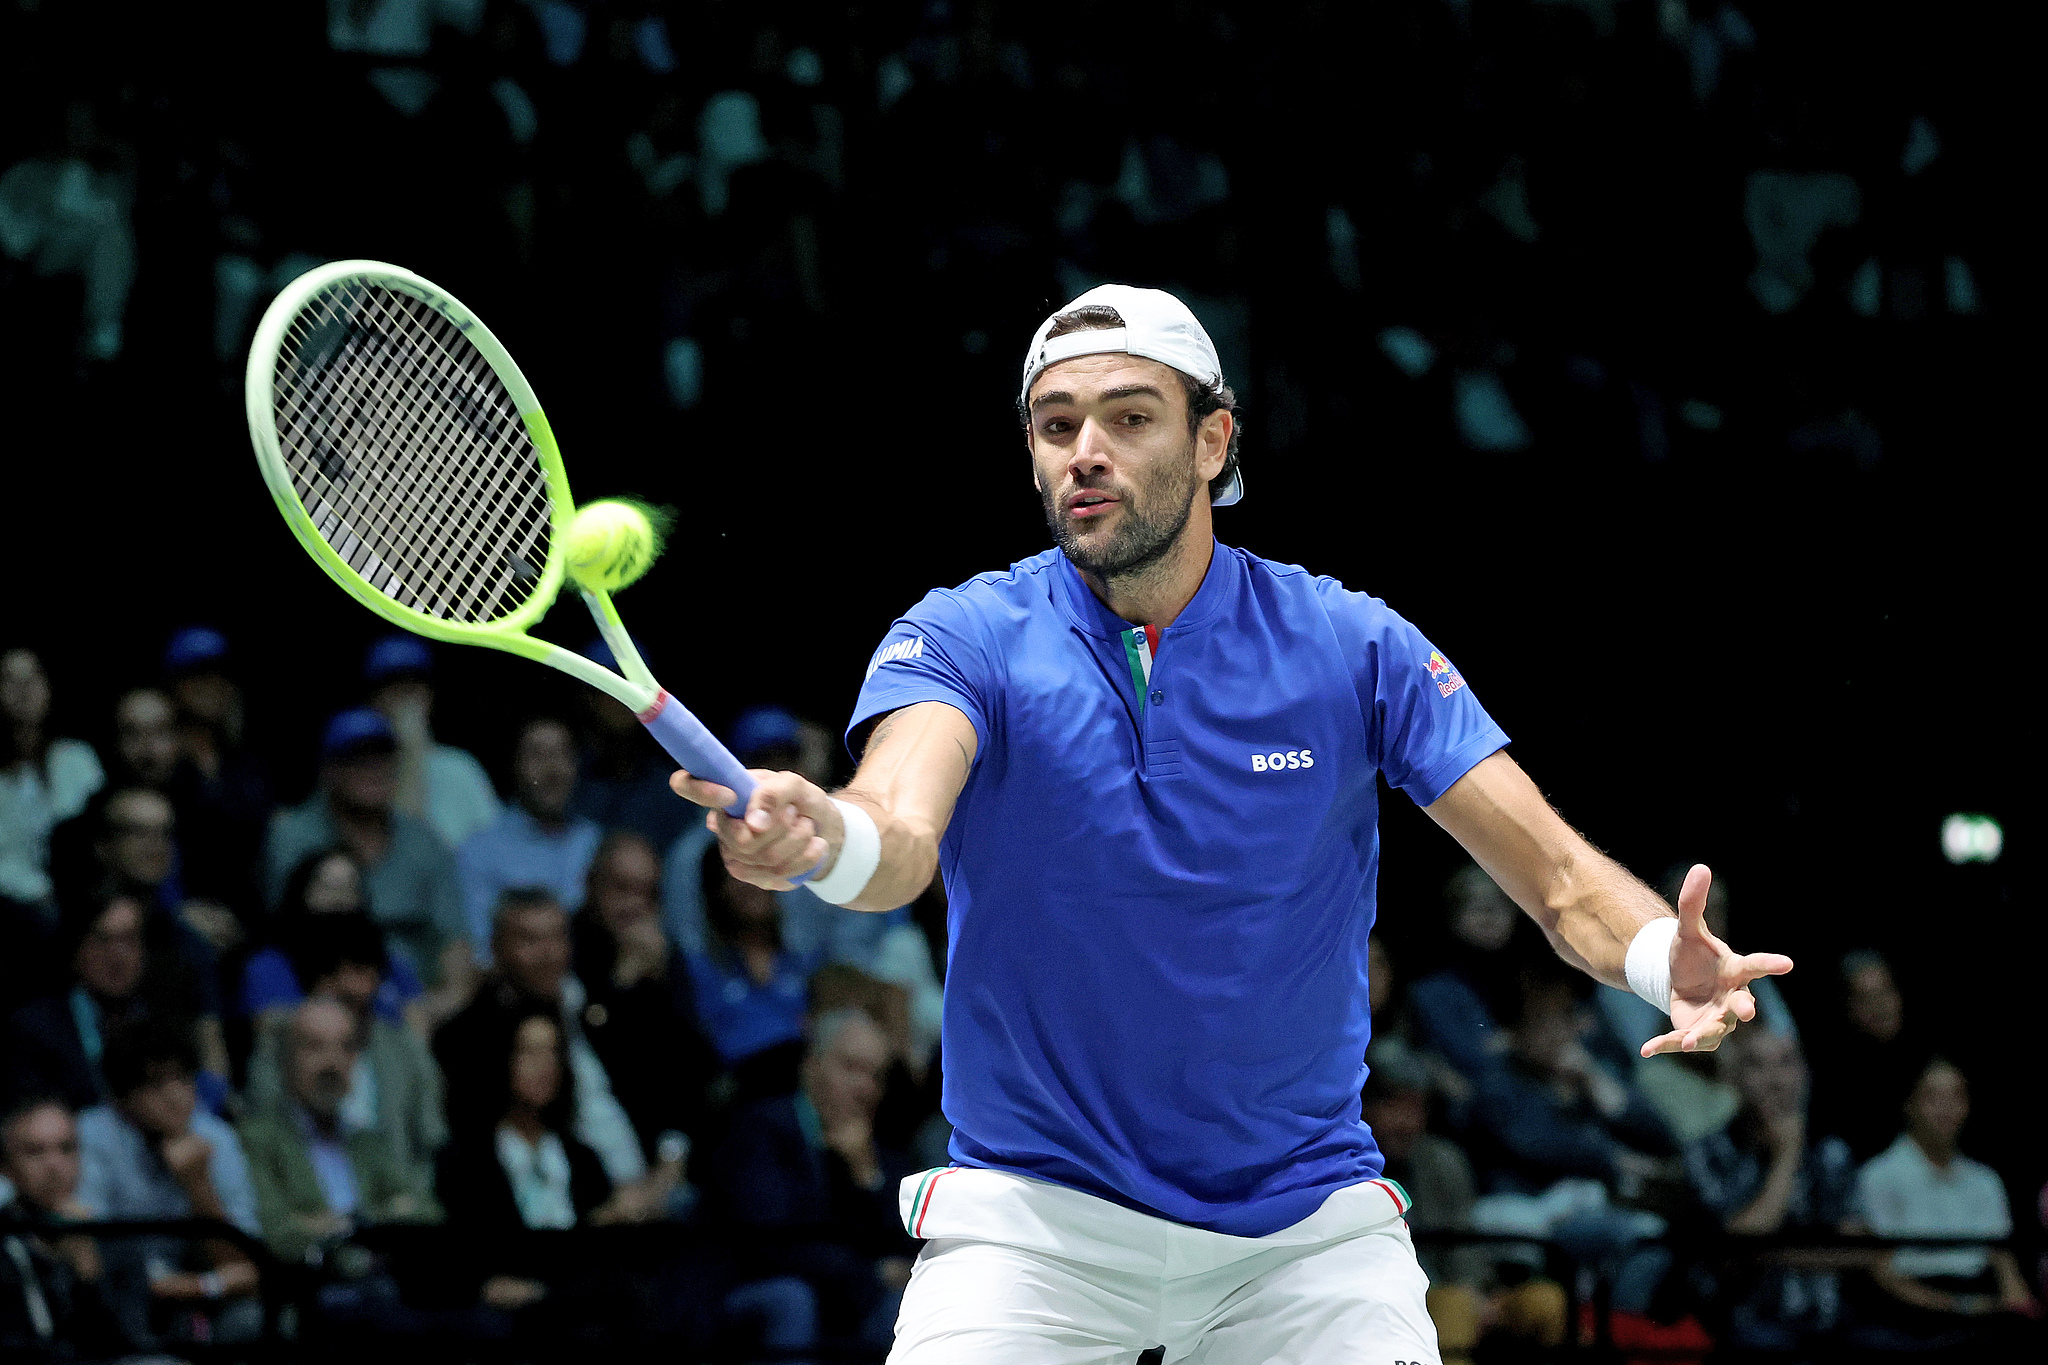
[{"x": 1158, "y": 593}]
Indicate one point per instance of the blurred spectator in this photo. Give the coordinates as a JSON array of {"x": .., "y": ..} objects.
[
  {"x": 751, "y": 987},
  {"x": 642, "y": 1015},
  {"x": 1459, "y": 1008},
  {"x": 1874, "y": 1059},
  {"x": 317, "y": 1175},
  {"x": 395, "y": 1086},
  {"x": 624, "y": 784},
  {"x": 130, "y": 837},
  {"x": 439, "y": 783},
  {"x": 145, "y": 739},
  {"x": 1766, "y": 1173},
  {"x": 515, "y": 1160},
  {"x": 1396, "y": 1036},
  {"x": 66, "y": 216},
  {"x": 52, "y": 1307},
  {"x": 516, "y": 1163},
  {"x": 410, "y": 874},
  {"x": 1464, "y": 1296},
  {"x": 807, "y": 1167},
  {"x": 43, "y": 780},
  {"x": 534, "y": 841},
  {"x": 154, "y": 1153},
  {"x": 1951, "y": 1298},
  {"x": 122, "y": 970},
  {"x": 1557, "y": 1138},
  {"x": 329, "y": 882},
  {"x": 531, "y": 946},
  {"x": 222, "y": 788}
]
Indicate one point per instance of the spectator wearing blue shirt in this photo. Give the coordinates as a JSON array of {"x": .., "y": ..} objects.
[
  {"x": 154, "y": 1153},
  {"x": 535, "y": 841},
  {"x": 443, "y": 785},
  {"x": 414, "y": 891},
  {"x": 752, "y": 988}
]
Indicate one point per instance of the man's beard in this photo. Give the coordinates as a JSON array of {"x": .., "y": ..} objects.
[{"x": 1140, "y": 540}]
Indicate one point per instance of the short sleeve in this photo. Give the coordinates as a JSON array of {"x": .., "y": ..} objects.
[
  {"x": 934, "y": 653},
  {"x": 1424, "y": 728}
]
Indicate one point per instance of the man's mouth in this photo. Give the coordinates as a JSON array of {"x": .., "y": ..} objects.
[{"x": 1089, "y": 503}]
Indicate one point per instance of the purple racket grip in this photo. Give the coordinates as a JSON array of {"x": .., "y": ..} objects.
[{"x": 679, "y": 731}]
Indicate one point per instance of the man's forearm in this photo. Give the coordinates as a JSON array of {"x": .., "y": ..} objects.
[{"x": 1591, "y": 911}]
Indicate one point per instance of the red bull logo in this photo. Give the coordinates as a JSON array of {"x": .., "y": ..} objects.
[{"x": 1443, "y": 675}]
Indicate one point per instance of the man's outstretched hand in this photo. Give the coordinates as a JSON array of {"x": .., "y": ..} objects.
[{"x": 1709, "y": 980}]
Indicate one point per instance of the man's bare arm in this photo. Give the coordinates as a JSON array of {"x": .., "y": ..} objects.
[
  {"x": 910, "y": 776},
  {"x": 1591, "y": 908},
  {"x": 1588, "y": 905}
]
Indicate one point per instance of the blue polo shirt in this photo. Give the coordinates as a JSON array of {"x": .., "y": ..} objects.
[{"x": 1160, "y": 875}]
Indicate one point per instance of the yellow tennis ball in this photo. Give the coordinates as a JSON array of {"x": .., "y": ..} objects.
[{"x": 612, "y": 543}]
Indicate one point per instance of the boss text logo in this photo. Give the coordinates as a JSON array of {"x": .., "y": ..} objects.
[{"x": 1290, "y": 758}]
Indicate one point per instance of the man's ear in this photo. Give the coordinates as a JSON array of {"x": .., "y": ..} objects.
[{"x": 1212, "y": 442}]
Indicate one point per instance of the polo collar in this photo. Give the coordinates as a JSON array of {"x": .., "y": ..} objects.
[{"x": 1086, "y": 611}]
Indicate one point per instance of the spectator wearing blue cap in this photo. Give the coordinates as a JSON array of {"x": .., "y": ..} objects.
[
  {"x": 625, "y": 774},
  {"x": 410, "y": 874},
  {"x": 535, "y": 841},
  {"x": 441, "y": 784},
  {"x": 220, "y": 786}
]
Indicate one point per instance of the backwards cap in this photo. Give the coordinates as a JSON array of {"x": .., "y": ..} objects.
[{"x": 1157, "y": 326}]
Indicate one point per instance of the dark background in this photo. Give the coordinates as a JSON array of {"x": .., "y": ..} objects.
[{"x": 1750, "y": 592}]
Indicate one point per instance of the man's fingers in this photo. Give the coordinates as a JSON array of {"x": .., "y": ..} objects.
[
  {"x": 700, "y": 792},
  {"x": 1755, "y": 965},
  {"x": 1664, "y": 1042},
  {"x": 1692, "y": 900}
]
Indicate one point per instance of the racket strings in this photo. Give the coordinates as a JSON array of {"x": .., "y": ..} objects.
[{"x": 409, "y": 455}]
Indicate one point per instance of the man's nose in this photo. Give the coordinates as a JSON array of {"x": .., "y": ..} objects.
[{"x": 1090, "y": 452}]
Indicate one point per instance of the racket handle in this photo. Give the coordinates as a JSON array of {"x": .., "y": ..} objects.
[{"x": 689, "y": 743}]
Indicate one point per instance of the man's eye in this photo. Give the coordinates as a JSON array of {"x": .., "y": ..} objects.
[
  {"x": 1056, "y": 426},
  {"x": 1136, "y": 418}
]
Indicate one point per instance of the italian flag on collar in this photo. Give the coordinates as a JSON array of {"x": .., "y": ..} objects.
[{"x": 1140, "y": 644}]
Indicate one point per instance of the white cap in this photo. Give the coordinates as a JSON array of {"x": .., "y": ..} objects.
[{"x": 1157, "y": 326}]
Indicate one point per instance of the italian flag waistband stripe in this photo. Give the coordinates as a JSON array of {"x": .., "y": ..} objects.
[
  {"x": 1402, "y": 1203},
  {"x": 921, "y": 1202}
]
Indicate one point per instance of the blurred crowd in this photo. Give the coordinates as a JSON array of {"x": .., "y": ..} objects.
[{"x": 411, "y": 1000}]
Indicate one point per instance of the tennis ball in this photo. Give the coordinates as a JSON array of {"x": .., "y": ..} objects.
[{"x": 612, "y": 542}]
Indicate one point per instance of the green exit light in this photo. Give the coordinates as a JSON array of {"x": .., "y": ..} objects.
[{"x": 1971, "y": 839}]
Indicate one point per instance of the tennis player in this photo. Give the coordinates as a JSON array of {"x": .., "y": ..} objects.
[{"x": 1145, "y": 763}]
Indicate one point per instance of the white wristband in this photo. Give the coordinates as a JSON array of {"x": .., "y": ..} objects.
[
  {"x": 859, "y": 855},
  {"x": 1648, "y": 965}
]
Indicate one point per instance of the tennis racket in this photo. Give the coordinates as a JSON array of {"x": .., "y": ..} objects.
[{"x": 412, "y": 460}]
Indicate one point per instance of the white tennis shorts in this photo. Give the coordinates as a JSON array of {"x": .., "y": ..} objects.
[{"x": 1020, "y": 1272}]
